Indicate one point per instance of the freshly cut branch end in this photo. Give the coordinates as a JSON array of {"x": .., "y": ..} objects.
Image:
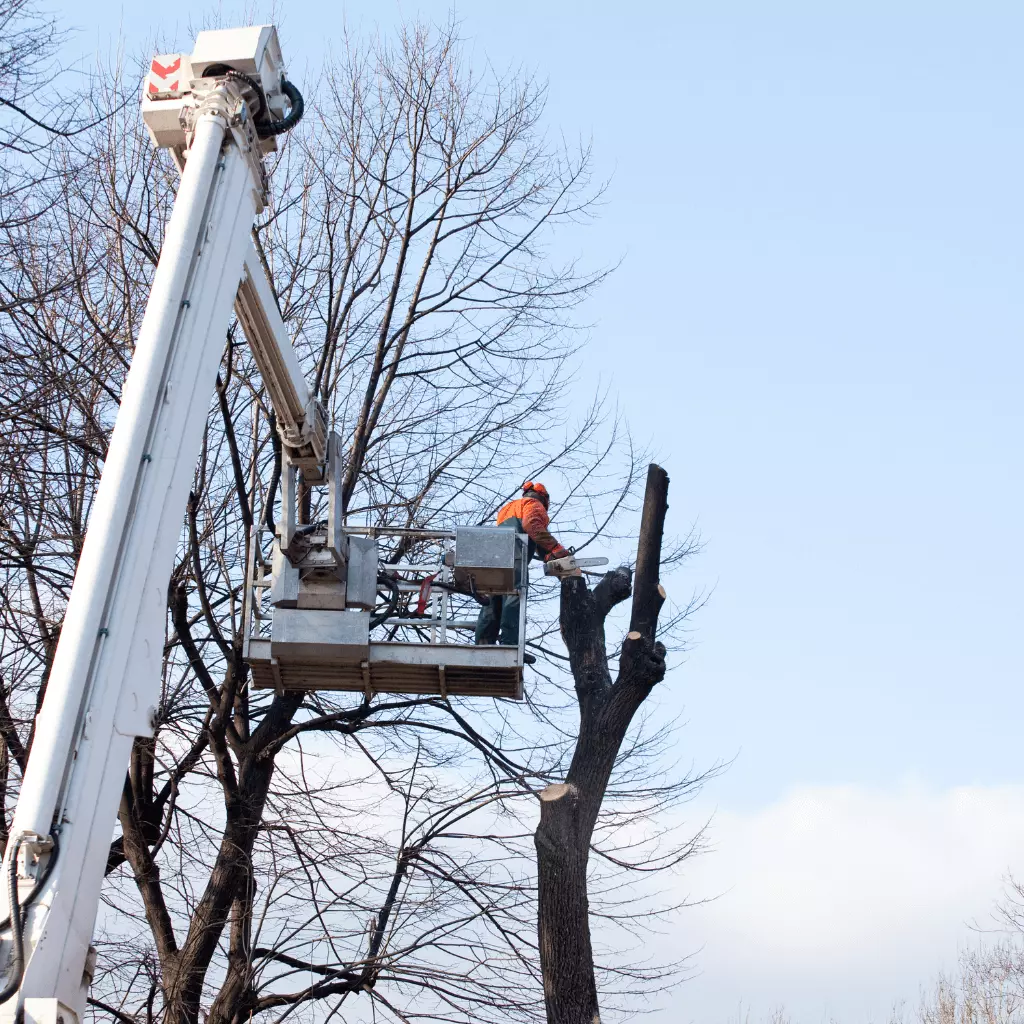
[{"x": 556, "y": 791}]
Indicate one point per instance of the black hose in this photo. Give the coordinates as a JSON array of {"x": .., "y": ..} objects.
[
  {"x": 293, "y": 117},
  {"x": 16, "y": 964},
  {"x": 40, "y": 881},
  {"x": 392, "y": 584},
  {"x": 264, "y": 129},
  {"x": 306, "y": 528},
  {"x": 455, "y": 588},
  {"x": 16, "y": 917},
  {"x": 275, "y": 476}
]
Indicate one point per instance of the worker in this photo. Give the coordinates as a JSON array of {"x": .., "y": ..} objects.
[{"x": 498, "y": 621}]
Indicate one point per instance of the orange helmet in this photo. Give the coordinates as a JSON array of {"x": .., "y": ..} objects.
[{"x": 538, "y": 489}]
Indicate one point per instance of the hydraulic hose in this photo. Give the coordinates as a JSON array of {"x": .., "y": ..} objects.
[
  {"x": 240, "y": 76},
  {"x": 275, "y": 476},
  {"x": 290, "y": 120},
  {"x": 16, "y": 968},
  {"x": 264, "y": 128},
  {"x": 383, "y": 580}
]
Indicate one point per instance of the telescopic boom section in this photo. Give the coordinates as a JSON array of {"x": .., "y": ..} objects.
[
  {"x": 301, "y": 419},
  {"x": 219, "y": 110}
]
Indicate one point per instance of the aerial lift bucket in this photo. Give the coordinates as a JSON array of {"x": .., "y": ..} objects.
[{"x": 338, "y": 610}]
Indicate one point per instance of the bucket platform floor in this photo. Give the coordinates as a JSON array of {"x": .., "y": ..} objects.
[{"x": 463, "y": 670}]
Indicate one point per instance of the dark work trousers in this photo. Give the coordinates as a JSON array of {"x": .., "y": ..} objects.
[{"x": 498, "y": 621}]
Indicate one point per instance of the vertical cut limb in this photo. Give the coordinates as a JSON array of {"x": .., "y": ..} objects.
[{"x": 648, "y": 595}]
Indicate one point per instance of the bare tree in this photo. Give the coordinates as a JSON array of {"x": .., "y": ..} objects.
[
  {"x": 29, "y": 42},
  {"x": 570, "y": 809},
  {"x": 321, "y": 854},
  {"x": 40, "y": 104},
  {"x": 986, "y": 986}
]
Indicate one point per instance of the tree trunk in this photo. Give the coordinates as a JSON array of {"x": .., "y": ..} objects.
[
  {"x": 569, "y": 810},
  {"x": 570, "y": 992},
  {"x": 237, "y": 997},
  {"x": 229, "y": 890}
]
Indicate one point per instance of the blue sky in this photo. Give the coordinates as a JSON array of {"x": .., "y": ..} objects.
[{"x": 817, "y": 325}]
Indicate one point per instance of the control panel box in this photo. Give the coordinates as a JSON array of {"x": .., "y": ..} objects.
[{"x": 489, "y": 559}]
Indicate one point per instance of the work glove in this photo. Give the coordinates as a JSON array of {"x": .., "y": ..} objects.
[{"x": 557, "y": 552}]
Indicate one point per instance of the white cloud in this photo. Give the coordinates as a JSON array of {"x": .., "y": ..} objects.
[{"x": 838, "y": 900}]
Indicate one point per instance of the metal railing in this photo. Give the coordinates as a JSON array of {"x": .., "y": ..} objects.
[{"x": 430, "y": 608}]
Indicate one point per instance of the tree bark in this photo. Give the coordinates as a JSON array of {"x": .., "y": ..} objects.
[
  {"x": 229, "y": 890},
  {"x": 570, "y": 990},
  {"x": 569, "y": 810},
  {"x": 648, "y": 594}
]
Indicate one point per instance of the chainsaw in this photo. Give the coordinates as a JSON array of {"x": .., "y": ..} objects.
[{"x": 571, "y": 565}]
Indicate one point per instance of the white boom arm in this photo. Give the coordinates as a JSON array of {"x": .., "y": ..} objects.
[
  {"x": 301, "y": 421},
  {"x": 104, "y": 684}
]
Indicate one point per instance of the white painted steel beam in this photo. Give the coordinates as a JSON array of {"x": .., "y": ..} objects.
[
  {"x": 105, "y": 681},
  {"x": 258, "y": 313}
]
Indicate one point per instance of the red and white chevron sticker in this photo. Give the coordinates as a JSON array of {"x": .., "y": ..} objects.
[{"x": 169, "y": 75}]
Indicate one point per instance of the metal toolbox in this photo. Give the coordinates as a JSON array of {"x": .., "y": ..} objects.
[{"x": 489, "y": 559}]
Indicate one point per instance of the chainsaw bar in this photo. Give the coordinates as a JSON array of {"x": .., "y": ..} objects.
[{"x": 572, "y": 566}]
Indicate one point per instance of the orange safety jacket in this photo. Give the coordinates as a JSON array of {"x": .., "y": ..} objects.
[{"x": 532, "y": 516}]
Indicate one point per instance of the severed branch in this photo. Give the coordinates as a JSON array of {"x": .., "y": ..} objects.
[{"x": 643, "y": 658}]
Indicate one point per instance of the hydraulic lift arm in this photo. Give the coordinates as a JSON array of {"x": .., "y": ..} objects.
[
  {"x": 217, "y": 110},
  {"x": 301, "y": 419}
]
